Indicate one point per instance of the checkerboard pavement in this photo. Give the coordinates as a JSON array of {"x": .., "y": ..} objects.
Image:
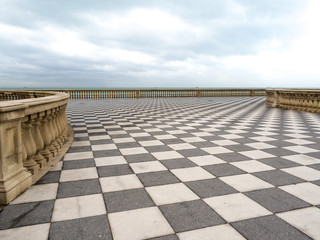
[{"x": 177, "y": 168}]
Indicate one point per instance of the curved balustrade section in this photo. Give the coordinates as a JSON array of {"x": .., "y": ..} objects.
[
  {"x": 300, "y": 100},
  {"x": 33, "y": 130},
  {"x": 159, "y": 93}
]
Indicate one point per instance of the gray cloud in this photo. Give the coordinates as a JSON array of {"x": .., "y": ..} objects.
[{"x": 220, "y": 43}]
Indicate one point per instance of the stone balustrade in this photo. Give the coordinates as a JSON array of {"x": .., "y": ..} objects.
[
  {"x": 159, "y": 93},
  {"x": 300, "y": 100},
  {"x": 33, "y": 130}
]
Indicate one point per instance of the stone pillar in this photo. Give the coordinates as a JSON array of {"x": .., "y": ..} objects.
[
  {"x": 46, "y": 138},
  {"x": 14, "y": 178}
]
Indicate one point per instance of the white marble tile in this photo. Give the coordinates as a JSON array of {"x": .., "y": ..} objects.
[
  {"x": 151, "y": 166},
  {"x": 260, "y": 145},
  {"x": 151, "y": 143},
  {"x": 101, "y": 137},
  {"x": 166, "y": 155},
  {"x": 78, "y": 207},
  {"x": 133, "y": 151},
  {"x": 193, "y": 139},
  {"x": 301, "y": 149},
  {"x": 252, "y": 166},
  {"x": 245, "y": 182},
  {"x": 303, "y": 172},
  {"x": 81, "y": 135},
  {"x": 263, "y": 139},
  {"x": 117, "y": 132},
  {"x": 102, "y": 147},
  {"x": 96, "y": 130},
  {"x": 37, "y": 193},
  {"x": 302, "y": 159},
  {"x": 225, "y": 142},
  {"x": 78, "y": 156},
  {"x": 164, "y": 136},
  {"x": 236, "y": 207},
  {"x": 38, "y": 232},
  {"x": 224, "y": 232},
  {"x": 107, "y": 161},
  {"x": 206, "y": 160},
  {"x": 145, "y": 134},
  {"x": 176, "y": 132},
  {"x": 191, "y": 174},
  {"x": 205, "y": 133},
  {"x": 78, "y": 174},
  {"x": 119, "y": 183},
  {"x": 257, "y": 154},
  {"x": 308, "y": 192},
  {"x": 171, "y": 193},
  {"x": 216, "y": 150},
  {"x": 299, "y": 141},
  {"x": 80, "y": 144},
  {"x": 123, "y": 140},
  {"x": 307, "y": 220},
  {"x": 136, "y": 224},
  {"x": 230, "y": 136},
  {"x": 181, "y": 146}
]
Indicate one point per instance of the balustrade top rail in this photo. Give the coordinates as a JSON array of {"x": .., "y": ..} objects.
[{"x": 158, "y": 93}]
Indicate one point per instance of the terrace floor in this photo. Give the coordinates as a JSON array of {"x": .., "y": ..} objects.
[{"x": 177, "y": 168}]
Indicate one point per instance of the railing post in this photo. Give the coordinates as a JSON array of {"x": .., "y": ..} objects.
[
  {"x": 199, "y": 93},
  {"x": 137, "y": 93}
]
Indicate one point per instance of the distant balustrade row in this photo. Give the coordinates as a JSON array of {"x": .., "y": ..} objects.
[
  {"x": 300, "y": 100},
  {"x": 32, "y": 132},
  {"x": 159, "y": 93}
]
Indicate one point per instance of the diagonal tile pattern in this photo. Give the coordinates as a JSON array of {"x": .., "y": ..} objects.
[{"x": 177, "y": 168}]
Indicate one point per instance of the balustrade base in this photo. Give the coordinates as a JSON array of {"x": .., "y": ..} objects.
[{"x": 13, "y": 187}]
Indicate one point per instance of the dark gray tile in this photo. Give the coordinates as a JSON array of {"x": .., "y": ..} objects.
[
  {"x": 102, "y": 141},
  {"x": 79, "y": 149},
  {"x": 190, "y": 215},
  {"x": 232, "y": 157},
  {"x": 18, "y": 215},
  {"x": 268, "y": 227},
  {"x": 145, "y": 157},
  {"x": 161, "y": 148},
  {"x": 178, "y": 163},
  {"x": 172, "y": 141},
  {"x": 192, "y": 152},
  {"x": 89, "y": 228},
  {"x": 279, "y": 152},
  {"x": 276, "y": 200},
  {"x": 50, "y": 177},
  {"x": 223, "y": 169},
  {"x": 210, "y": 188},
  {"x": 316, "y": 182},
  {"x": 279, "y": 143},
  {"x": 315, "y": 166},
  {"x": 128, "y": 145},
  {"x": 279, "y": 163},
  {"x": 157, "y": 178},
  {"x": 78, "y": 188},
  {"x": 204, "y": 144},
  {"x": 127, "y": 200},
  {"x": 114, "y": 170},
  {"x": 74, "y": 164},
  {"x": 239, "y": 148},
  {"x": 106, "y": 153},
  {"x": 97, "y": 133},
  {"x": 278, "y": 177}
]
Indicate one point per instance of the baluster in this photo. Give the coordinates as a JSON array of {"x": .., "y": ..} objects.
[
  {"x": 53, "y": 147},
  {"x": 29, "y": 145},
  {"x": 45, "y": 134},
  {"x": 38, "y": 140}
]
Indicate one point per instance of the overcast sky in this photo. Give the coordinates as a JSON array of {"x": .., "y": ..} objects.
[{"x": 159, "y": 43}]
